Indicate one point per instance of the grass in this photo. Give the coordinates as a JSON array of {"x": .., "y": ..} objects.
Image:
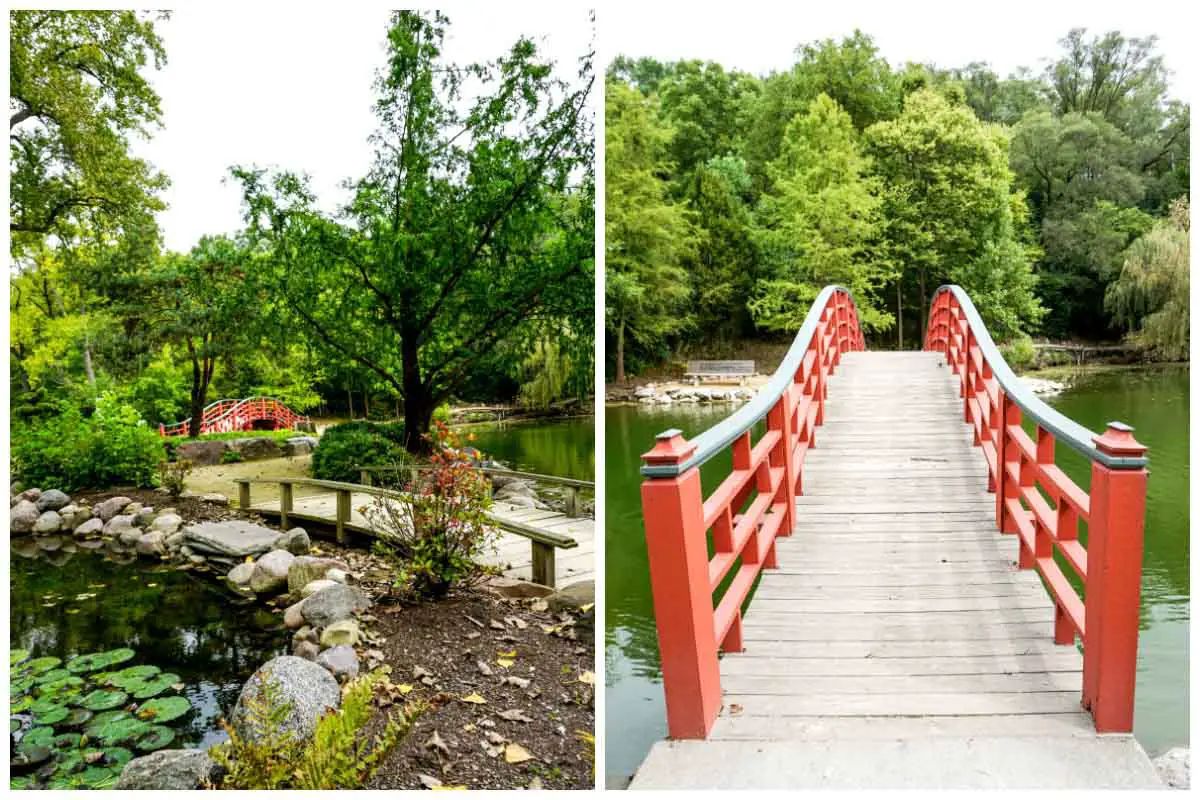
[{"x": 279, "y": 436}]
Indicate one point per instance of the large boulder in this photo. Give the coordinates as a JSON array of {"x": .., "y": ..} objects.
[
  {"x": 230, "y": 538},
  {"x": 304, "y": 688},
  {"x": 74, "y": 515},
  {"x": 145, "y": 517},
  {"x": 295, "y": 541},
  {"x": 344, "y": 633},
  {"x": 299, "y": 445},
  {"x": 575, "y": 596},
  {"x": 241, "y": 573},
  {"x": 306, "y": 569},
  {"x": 333, "y": 604},
  {"x": 341, "y": 661},
  {"x": 293, "y": 616},
  {"x": 167, "y": 523},
  {"x": 31, "y": 495},
  {"x": 170, "y": 769},
  {"x": 201, "y": 452},
  {"x": 256, "y": 447},
  {"x": 151, "y": 544},
  {"x": 271, "y": 572},
  {"x": 514, "y": 589},
  {"x": 107, "y": 509},
  {"x": 118, "y": 523},
  {"x": 316, "y": 586},
  {"x": 23, "y": 516},
  {"x": 90, "y": 527},
  {"x": 48, "y": 522},
  {"x": 52, "y": 500}
]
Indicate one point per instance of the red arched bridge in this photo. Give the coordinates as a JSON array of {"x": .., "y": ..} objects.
[
  {"x": 875, "y": 591},
  {"x": 247, "y": 414}
]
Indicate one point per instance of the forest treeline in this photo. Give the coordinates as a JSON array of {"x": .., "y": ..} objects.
[
  {"x": 1058, "y": 199},
  {"x": 461, "y": 267}
]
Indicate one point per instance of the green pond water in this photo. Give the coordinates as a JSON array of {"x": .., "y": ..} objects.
[
  {"x": 565, "y": 448},
  {"x": 1152, "y": 399}
]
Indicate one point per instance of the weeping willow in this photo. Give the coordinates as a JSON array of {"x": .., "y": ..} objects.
[
  {"x": 1150, "y": 298},
  {"x": 548, "y": 371}
]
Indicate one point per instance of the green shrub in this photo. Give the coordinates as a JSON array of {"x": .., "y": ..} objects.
[
  {"x": 172, "y": 476},
  {"x": 113, "y": 447},
  {"x": 442, "y": 413},
  {"x": 339, "y": 755},
  {"x": 231, "y": 457},
  {"x": 343, "y": 448},
  {"x": 1019, "y": 352}
]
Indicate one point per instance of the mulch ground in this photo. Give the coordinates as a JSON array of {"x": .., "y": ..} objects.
[{"x": 509, "y": 690}]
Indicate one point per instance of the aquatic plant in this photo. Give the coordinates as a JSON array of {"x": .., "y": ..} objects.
[{"x": 76, "y": 725}]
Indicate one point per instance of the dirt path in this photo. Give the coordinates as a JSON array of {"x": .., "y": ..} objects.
[{"x": 219, "y": 477}]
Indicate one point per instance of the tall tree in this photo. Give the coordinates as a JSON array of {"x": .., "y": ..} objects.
[
  {"x": 76, "y": 95},
  {"x": 823, "y": 221},
  {"x": 472, "y": 229}
]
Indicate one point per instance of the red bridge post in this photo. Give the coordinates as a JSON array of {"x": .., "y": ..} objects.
[
  {"x": 677, "y": 547},
  {"x": 1115, "y": 539}
]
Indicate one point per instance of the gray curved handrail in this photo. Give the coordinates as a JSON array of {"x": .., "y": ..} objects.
[
  {"x": 1062, "y": 427},
  {"x": 723, "y": 434}
]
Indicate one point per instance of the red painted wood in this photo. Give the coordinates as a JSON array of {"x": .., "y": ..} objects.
[
  {"x": 744, "y": 529},
  {"x": 226, "y": 416},
  {"x": 1039, "y": 503}
]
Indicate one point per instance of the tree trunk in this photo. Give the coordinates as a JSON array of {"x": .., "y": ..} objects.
[
  {"x": 199, "y": 394},
  {"x": 350, "y": 402},
  {"x": 621, "y": 352},
  {"x": 87, "y": 363},
  {"x": 899, "y": 318},
  {"x": 418, "y": 400}
]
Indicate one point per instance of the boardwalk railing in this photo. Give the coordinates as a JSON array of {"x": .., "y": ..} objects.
[
  {"x": 542, "y": 543},
  {"x": 752, "y": 505},
  {"x": 1023, "y": 474},
  {"x": 224, "y": 416},
  {"x": 572, "y": 485}
]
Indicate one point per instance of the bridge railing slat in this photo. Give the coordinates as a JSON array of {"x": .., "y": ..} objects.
[
  {"x": 754, "y": 503},
  {"x": 1042, "y": 506}
]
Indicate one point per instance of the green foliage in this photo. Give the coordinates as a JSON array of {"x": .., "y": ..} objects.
[
  {"x": 231, "y": 457},
  {"x": 343, "y": 448},
  {"x": 435, "y": 537},
  {"x": 113, "y": 447},
  {"x": 339, "y": 755},
  {"x": 1019, "y": 352},
  {"x": 548, "y": 372},
  {"x": 1151, "y": 297}
]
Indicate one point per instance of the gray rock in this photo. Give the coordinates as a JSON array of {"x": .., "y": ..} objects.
[
  {"x": 1175, "y": 767},
  {"x": 151, "y": 544},
  {"x": 574, "y": 596},
  {"x": 293, "y": 616},
  {"x": 215, "y": 498},
  {"x": 118, "y": 523},
  {"x": 170, "y": 769},
  {"x": 73, "y": 516},
  {"x": 201, "y": 453},
  {"x": 340, "y": 633},
  {"x": 241, "y": 573},
  {"x": 31, "y": 495},
  {"x": 129, "y": 536},
  {"x": 196, "y": 559},
  {"x": 134, "y": 508},
  {"x": 521, "y": 501},
  {"x": 309, "y": 651},
  {"x": 109, "y": 508},
  {"x": 333, "y": 604},
  {"x": 186, "y": 551},
  {"x": 306, "y": 569},
  {"x": 341, "y": 661},
  {"x": 174, "y": 541},
  {"x": 299, "y": 445},
  {"x": 52, "y": 500},
  {"x": 516, "y": 488},
  {"x": 254, "y": 448},
  {"x": 48, "y": 522},
  {"x": 514, "y": 589},
  {"x": 231, "y": 538},
  {"x": 145, "y": 518},
  {"x": 304, "y": 688},
  {"x": 23, "y": 516},
  {"x": 271, "y": 572},
  {"x": 167, "y": 523},
  {"x": 338, "y": 575},
  {"x": 305, "y": 634},
  {"x": 51, "y": 544},
  {"x": 90, "y": 527},
  {"x": 295, "y": 541},
  {"x": 316, "y": 586}
]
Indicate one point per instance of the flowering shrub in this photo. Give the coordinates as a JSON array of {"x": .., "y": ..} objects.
[{"x": 435, "y": 533}]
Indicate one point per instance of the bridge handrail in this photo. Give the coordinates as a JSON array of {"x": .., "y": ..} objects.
[
  {"x": 1043, "y": 506},
  {"x": 228, "y": 407},
  {"x": 722, "y": 435},
  {"x": 1065, "y": 429},
  {"x": 677, "y": 516},
  {"x": 533, "y": 476}
]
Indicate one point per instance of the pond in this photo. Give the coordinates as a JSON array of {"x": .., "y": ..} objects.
[
  {"x": 179, "y": 621},
  {"x": 1152, "y": 399},
  {"x": 565, "y": 448}
]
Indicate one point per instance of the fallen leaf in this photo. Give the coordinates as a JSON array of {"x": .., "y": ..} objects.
[
  {"x": 497, "y": 624},
  {"x": 514, "y": 715},
  {"x": 404, "y": 688},
  {"x": 586, "y": 608},
  {"x": 520, "y": 683},
  {"x": 469, "y": 727},
  {"x": 539, "y": 605},
  {"x": 494, "y": 737},
  {"x": 515, "y": 754},
  {"x": 535, "y": 784},
  {"x": 435, "y": 743},
  {"x": 504, "y": 662},
  {"x": 587, "y": 677},
  {"x": 473, "y": 698}
]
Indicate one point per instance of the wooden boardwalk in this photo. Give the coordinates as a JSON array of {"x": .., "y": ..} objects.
[
  {"x": 897, "y": 644},
  {"x": 510, "y": 551}
]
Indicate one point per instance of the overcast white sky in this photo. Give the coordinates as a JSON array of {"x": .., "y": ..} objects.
[
  {"x": 761, "y": 38},
  {"x": 288, "y": 88}
]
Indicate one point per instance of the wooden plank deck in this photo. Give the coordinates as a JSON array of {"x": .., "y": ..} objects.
[
  {"x": 510, "y": 552},
  {"x": 898, "y": 645}
]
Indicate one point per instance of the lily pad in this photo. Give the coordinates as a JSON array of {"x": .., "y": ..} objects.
[
  {"x": 19, "y": 704},
  {"x": 51, "y": 716},
  {"x": 105, "y": 718},
  {"x": 77, "y": 718},
  {"x": 117, "y": 756},
  {"x": 97, "y": 661},
  {"x": 52, "y": 676},
  {"x": 152, "y": 687},
  {"x": 46, "y": 704},
  {"x": 121, "y": 731},
  {"x": 67, "y": 741},
  {"x": 103, "y": 699},
  {"x": 130, "y": 677},
  {"x": 17, "y": 656},
  {"x": 39, "y": 665},
  {"x": 27, "y": 759},
  {"x": 155, "y": 738},
  {"x": 37, "y": 737},
  {"x": 164, "y": 709},
  {"x": 62, "y": 688},
  {"x": 99, "y": 777},
  {"x": 20, "y": 685}
]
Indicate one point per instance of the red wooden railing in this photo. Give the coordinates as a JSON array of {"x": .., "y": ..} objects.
[
  {"x": 752, "y": 505},
  {"x": 224, "y": 416},
  {"x": 1021, "y": 468}
]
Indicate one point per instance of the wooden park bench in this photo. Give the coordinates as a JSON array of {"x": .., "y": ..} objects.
[{"x": 719, "y": 369}]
